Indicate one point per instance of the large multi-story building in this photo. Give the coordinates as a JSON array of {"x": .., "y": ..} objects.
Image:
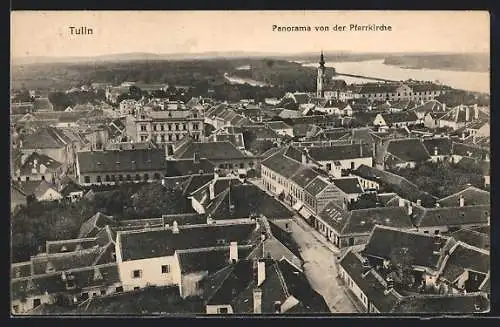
[{"x": 167, "y": 126}]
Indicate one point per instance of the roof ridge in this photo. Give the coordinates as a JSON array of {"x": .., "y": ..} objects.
[{"x": 281, "y": 279}]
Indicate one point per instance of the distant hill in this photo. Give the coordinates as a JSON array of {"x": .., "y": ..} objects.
[{"x": 472, "y": 62}]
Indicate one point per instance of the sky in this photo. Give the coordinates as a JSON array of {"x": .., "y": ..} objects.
[{"x": 47, "y": 34}]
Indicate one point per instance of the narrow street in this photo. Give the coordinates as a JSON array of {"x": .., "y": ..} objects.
[{"x": 319, "y": 266}]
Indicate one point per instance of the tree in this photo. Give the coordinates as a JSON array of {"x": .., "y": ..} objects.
[{"x": 402, "y": 267}]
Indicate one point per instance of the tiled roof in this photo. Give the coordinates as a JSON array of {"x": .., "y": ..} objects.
[
  {"x": 348, "y": 185},
  {"x": 442, "y": 145},
  {"x": 210, "y": 260},
  {"x": 408, "y": 150},
  {"x": 20, "y": 269},
  {"x": 36, "y": 188},
  {"x": 95, "y": 223},
  {"x": 442, "y": 304},
  {"x": 277, "y": 125},
  {"x": 316, "y": 186},
  {"x": 44, "y": 263},
  {"x": 71, "y": 245},
  {"x": 467, "y": 150},
  {"x": 429, "y": 106},
  {"x": 472, "y": 237},
  {"x": 400, "y": 117},
  {"x": 42, "y": 104},
  {"x": 282, "y": 164},
  {"x": 44, "y": 138},
  {"x": 423, "y": 249},
  {"x": 379, "y": 88},
  {"x": 163, "y": 242},
  {"x": 468, "y": 163},
  {"x": 41, "y": 159},
  {"x": 243, "y": 201},
  {"x": 352, "y": 263},
  {"x": 465, "y": 257},
  {"x": 210, "y": 150},
  {"x": 126, "y": 160},
  {"x": 185, "y": 167},
  {"x": 471, "y": 195},
  {"x": 454, "y": 216},
  {"x": 339, "y": 152},
  {"x": 363, "y": 220},
  {"x": 304, "y": 176}
]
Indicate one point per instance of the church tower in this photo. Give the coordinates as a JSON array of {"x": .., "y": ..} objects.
[{"x": 320, "y": 83}]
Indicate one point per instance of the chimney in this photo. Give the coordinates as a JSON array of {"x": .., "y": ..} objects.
[
  {"x": 410, "y": 209},
  {"x": 211, "y": 190},
  {"x": 261, "y": 272},
  {"x": 437, "y": 205},
  {"x": 257, "y": 300},
  {"x": 196, "y": 158},
  {"x": 401, "y": 202},
  {"x": 462, "y": 201},
  {"x": 435, "y": 150},
  {"x": 361, "y": 149},
  {"x": 419, "y": 202},
  {"x": 175, "y": 227},
  {"x": 444, "y": 106},
  {"x": 233, "y": 252},
  {"x": 304, "y": 157},
  {"x": 467, "y": 113},
  {"x": 476, "y": 112}
]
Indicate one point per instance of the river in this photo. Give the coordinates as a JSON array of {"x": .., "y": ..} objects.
[{"x": 470, "y": 81}]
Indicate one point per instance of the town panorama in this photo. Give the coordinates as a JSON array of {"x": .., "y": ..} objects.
[{"x": 247, "y": 186}]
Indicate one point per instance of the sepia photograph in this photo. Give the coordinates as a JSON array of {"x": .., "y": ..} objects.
[{"x": 279, "y": 163}]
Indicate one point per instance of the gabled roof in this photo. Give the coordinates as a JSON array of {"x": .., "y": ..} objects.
[
  {"x": 400, "y": 117},
  {"x": 36, "y": 188},
  {"x": 442, "y": 304},
  {"x": 371, "y": 284},
  {"x": 35, "y": 160},
  {"x": 317, "y": 185},
  {"x": 185, "y": 167},
  {"x": 442, "y": 145},
  {"x": 95, "y": 223},
  {"x": 348, "y": 185},
  {"x": 424, "y": 250},
  {"x": 429, "y": 106},
  {"x": 281, "y": 164},
  {"x": 42, "y": 104},
  {"x": 210, "y": 150},
  {"x": 244, "y": 201},
  {"x": 44, "y": 138},
  {"x": 276, "y": 125},
  {"x": 454, "y": 216},
  {"x": 465, "y": 257},
  {"x": 209, "y": 260},
  {"x": 363, "y": 220},
  {"x": 406, "y": 150},
  {"x": 471, "y": 195},
  {"x": 163, "y": 242},
  {"x": 117, "y": 160},
  {"x": 45, "y": 263},
  {"x": 472, "y": 237},
  {"x": 339, "y": 152}
]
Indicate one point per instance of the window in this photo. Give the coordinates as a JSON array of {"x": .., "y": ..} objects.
[
  {"x": 129, "y": 178},
  {"x": 43, "y": 178},
  {"x": 195, "y": 126},
  {"x": 222, "y": 310},
  {"x": 184, "y": 127},
  {"x": 328, "y": 166},
  {"x": 136, "y": 288},
  {"x": 426, "y": 232},
  {"x": 36, "y": 302},
  {"x": 352, "y": 164},
  {"x": 242, "y": 165},
  {"x": 98, "y": 179},
  {"x": 15, "y": 308},
  {"x": 154, "y": 127},
  {"x": 86, "y": 179},
  {"x": 137, "y": 273},
  {"x": 146, "y": 177},
  {"x": 169, "y": 127},
  {"x": 137, "y": 177},
  {"x": 162, "y": 127},
  {"x": 143, "y": 128},
  {"x": 156, "y": 176},
  {"x": 106, "y": 178},
  {"x": 120, "y": 178},
  {"x": 162, "y": 138},
  {"x": 436, "y": 232},
  {"x": 221, "y": 166},
  {"x": 94, "y": 294},
  {"x": 170, "y": 137},
  {"x": 176, "y": 127},
  {"x": 165, "y": 269},
  {"x": 119, "y": 289},
  {"x": 103, "y": 292}
]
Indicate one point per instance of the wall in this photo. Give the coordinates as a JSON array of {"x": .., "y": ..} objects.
[
  {"x": 93, "y": 176},
  {"x": 329, "y": 194},
  {"x": 189, "y": 284},
  {"x": 50, "y": 195},
  {"x": 346, "y": 164},
  {"x": 151, "y": 272},
  {"x": 213, "y": 309},
  {"x": 27, "y": 305},
  {"x": 353, "y": 287}
]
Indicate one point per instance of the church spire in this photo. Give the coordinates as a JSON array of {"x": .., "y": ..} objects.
[{"x": 322, "y": 59}]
